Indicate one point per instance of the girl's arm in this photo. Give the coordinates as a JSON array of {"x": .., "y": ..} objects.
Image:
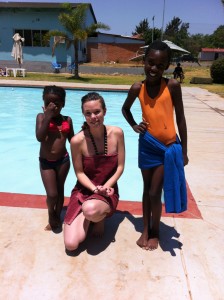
[
  {"x": 71, "y": 133},
  {"x": 126, "y": 108},
  {"x": 42, "y": 123},
  {"x": 76, "y": 152}
]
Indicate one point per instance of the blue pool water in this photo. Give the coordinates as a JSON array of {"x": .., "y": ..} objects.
[{"x": 19, "y": 149}]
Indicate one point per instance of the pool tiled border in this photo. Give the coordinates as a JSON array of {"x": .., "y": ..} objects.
[{"x": 132, "y": 207}]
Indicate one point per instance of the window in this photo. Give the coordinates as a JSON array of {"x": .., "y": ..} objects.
[{"x": 33, "y": 38}]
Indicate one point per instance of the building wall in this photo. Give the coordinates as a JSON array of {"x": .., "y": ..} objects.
[
  {"x": 211, "y": 55},
  {"x": 34, "y": 19},
  {"x": 28, "y": 19},
  {"x": 119, "y": 53},
  {"x": 102, "y": 48}
]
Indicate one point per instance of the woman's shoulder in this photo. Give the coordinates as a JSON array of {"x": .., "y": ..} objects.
[
  {"x": 78, "y": 138},
  {"x": 114, "y": 129}
]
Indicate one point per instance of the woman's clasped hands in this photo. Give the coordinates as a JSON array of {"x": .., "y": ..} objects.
[{"x": 104, "y": 190}]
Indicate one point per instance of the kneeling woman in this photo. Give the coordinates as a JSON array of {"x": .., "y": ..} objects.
[{"x": 98, "y": 156}]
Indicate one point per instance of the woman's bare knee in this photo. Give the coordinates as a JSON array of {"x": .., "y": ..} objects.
[
  {"x": 94, "y": 215},
  {"x": 71, "y": 246},
  {"x": 95, "y": 210},
  {"x": 89, "y": 210}
]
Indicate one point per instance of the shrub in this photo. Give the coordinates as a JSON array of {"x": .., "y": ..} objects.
[{"x": 217, "y": 71}]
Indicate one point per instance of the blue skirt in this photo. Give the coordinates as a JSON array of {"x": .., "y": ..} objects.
[{"x": 153, "y": 153}]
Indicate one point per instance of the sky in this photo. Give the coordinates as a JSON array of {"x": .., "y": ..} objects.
[{"x": 122, "y": 16}]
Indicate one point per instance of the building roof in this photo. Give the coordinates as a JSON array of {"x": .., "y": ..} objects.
[
  {"x": 137, "y": 36},
  {"x": 22, "y": 4},
  {"x": 118, "y": 35},
  {"x": 212, "y": 49}
]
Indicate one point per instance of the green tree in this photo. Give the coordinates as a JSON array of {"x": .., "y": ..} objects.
[
  {"x": 177, "y": 32},
  {"x": 195, "y": 42},
  {"x": 172, "y": 28},
  {"x": 144, "y": 30},
  {"x": 142, "y": 27},
  {"x": 73, "y": 20},
  {"x": 217, "y": 37},
  {"x": 147, "y": 35}
]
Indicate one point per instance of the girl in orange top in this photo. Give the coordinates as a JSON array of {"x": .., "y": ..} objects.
[{"x": 159, "y": 98}]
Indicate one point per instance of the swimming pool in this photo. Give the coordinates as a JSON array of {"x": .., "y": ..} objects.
[{"x": 20, "y": 150}]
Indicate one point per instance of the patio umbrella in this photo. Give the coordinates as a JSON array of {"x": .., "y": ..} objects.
[
  {"x": 172, "y": 46},
  {"x": 17, "y": 51},
  {"x": 175, "y": 47}
]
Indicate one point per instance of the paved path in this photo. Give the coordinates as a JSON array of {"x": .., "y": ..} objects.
[{"x": 188, "y": 264}]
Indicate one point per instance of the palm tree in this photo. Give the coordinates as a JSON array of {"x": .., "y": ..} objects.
[{"x": 73, "y": 20}]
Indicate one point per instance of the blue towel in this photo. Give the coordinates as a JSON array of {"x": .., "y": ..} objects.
[{"x": 153, "y": 153}]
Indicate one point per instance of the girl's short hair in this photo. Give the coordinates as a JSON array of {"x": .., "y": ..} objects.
[
  {"x": 161, "y": 46},
  {"x": 56, "y": 90}
]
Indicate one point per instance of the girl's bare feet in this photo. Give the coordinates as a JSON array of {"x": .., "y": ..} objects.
[
  {"x": 48, "y": 227},
  {"x": 54, "y": 222},
  {"x": 153, "y": 241},
  {"x": 142, "y": 241},
  {"x": 152, "y": 244}
]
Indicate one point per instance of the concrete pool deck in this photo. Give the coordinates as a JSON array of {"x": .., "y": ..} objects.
[{"x": 188, "y": 263}]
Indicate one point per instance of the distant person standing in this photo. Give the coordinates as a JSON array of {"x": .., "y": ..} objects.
[{"x": 178, "y": 72}]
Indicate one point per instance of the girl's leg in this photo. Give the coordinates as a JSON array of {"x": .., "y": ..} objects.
[
  {"x": 146, "y": 207},
  {"x": 49, "y": 180},
  {"x": 75, "y": 233},
  {"x": 92, "y": 211},
  {"x": 62, "y": 172},
  {"x": 156, "y": 206}
]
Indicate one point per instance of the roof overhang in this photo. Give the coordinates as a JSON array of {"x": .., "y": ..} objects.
[
  {"x": 56, "y": 5},
  {"x": 33, "y": 4}
]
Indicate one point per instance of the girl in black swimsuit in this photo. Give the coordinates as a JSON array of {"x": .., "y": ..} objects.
[{"x": 52, "y": 131}]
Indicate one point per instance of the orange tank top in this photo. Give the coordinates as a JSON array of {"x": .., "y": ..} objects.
[{"x": 159, "y": 113}]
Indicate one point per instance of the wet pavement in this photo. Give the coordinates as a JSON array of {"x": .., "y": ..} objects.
[{"x": 188, "y": 263}]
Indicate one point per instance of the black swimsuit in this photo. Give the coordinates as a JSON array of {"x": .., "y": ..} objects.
[{"x": 53, "y": 164}]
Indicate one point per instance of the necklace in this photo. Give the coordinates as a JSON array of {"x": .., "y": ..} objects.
[{"x": 94, "y": 143}]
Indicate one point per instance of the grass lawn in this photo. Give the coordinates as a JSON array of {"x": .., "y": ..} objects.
[{"x": 189, "y": 72}]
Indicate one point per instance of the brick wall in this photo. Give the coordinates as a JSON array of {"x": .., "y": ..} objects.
[{"x": 119, "y": 53}]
